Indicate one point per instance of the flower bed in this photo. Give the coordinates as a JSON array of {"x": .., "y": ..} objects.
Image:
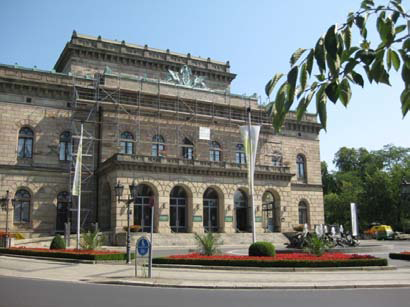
[
  {"x": 400, "y": 256},
  {"x": 280, "y": 260},
  {"x": 101, "y": 255}
]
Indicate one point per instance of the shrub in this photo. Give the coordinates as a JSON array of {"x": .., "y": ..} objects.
[
  {"x": 57, "y": 243},
  {"x": 208, "y": 244},
  {"x": 91, "y": 240},
  {"x": 316, "y": 246},
  {"x": 261, "y": 249}
]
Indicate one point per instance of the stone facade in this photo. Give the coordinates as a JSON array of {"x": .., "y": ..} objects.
[{"x": 115, "y": 88}]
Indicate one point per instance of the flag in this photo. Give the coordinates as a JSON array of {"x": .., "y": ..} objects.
[
  {"x": 77, "y": 175},
  {"x": 250, "y": 143}
]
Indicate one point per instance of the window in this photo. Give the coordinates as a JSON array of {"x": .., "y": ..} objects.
[
  {"x": 188, "y": 149},
  {"x": 63, "y": 213},
  {"x": 277, "y": 159},
  {"x": 215, "y": 151},
  {"x": 303, "y": 213},
  {"x": 158, "y": 147},
  {"x": 66, "y": 146},
  {"x": 240, "y": 154},
  {"x": 301, "y": 167},
  {"x": 126, "y": 143},
  {"x": 22, "y": 206},
  {"x": 25, "y": 144}
]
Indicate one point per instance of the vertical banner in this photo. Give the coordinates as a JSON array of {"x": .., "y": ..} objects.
[
  {"x": 250, "y": 137},
  {"x": 77, "y": 184},
  {"x": 355, "y": 230}
]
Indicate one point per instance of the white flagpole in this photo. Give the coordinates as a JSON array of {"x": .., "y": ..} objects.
[
  {"x": 250, "y": 179},
  {"x": 77, "y": 184}
]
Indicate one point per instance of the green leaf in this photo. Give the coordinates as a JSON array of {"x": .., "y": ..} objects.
[
  {"x": 333, "y": 64},
  {"x": 388, "y": 59},
  {"x": 301, "y": 109},
  {"x": 303, "y": 77},
  {"x": 320, "y": 55},
  {"x": 405, "y": 101},
  {"x": 395, "y": 60},
  {"x": 350, "y": 66},
  {"x": 347, "y": 37},
  {"x": 405, "y": 74},
  {"x": 309, "y": 61},
  {"x": 296, "y": 56},
  {"x": 332, "y": 91},
  {"x": 331, "y": 41},
  {"x": 271, "y": 84},
  {"x": 360, "y": 22},
  {"x": 366, "y": 57},
  {"x": 399, "y": 29},
  {"x": 357, "y": 78},
  {"x": 321, "y": 105},
  {"x": 345, "y": 92},
  {"x": 320, "y": 77},
  {"x": 292, "y": 78},
  {"x": 398, "y": 7},
  {"x": 347, "y": 53}
]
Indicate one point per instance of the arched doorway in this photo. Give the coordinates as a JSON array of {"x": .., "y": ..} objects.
[
  {"x": 143, "y": 207},
  {"x": 210, "y": 214},
  {"x": 178, "y": 208},
  {"x": 241, "y": 209},
  {"x": 63, "y": 213},
  {"x": 270, "y": 213}
]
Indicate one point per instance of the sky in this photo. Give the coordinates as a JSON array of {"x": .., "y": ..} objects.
[{"x": 256, "y": 36}]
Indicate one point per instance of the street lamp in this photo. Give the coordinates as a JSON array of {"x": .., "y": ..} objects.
[
  {"x": 5, "y": 203},
  {"x": 119, "y": 189}
]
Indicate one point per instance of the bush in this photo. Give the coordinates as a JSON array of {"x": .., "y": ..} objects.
[
  {"x": 400, "y": 256},
  {"x": 261, "y": 249},
  {"x": 57, "y": 243},
  {"x": 91, "y": 240},
  {"x": 208, "y": 244},
  {"x": 316, "y": 246}
]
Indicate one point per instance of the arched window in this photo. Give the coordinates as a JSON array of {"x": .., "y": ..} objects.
[
  {"x": 303, "y": 213},
  {"x": 126, "y": 143},
  {"x": 187, "y": 149},
  {"x": 63, "y": 201},
  {"x": 301, "y": 167},
  {"x": 277, "y": 159},
  {"x": 66, "y": 146},
  {"x": 158, "y": 146},
  {"x": 268, "y": 211},
  {"x": 22, "y": 206},
  {"x": 25, "y": 144},
  {"x": 215, "y": 151},
  {"x": 240, "y": 156}
]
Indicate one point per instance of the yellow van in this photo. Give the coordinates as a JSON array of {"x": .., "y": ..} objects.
[{"x": 380, "y": 232}]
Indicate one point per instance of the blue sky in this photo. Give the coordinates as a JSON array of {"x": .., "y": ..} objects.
[{"x": 257, "y": 37}]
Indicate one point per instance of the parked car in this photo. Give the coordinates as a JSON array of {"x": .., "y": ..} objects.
[{"x": 380, "y": 232}]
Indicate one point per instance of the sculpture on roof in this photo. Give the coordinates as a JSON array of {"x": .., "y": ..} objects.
[{"x": 185, "y": 77}]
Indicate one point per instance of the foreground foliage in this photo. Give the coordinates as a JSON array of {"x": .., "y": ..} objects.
[
  {"x": 280, "y": 260},
  {"x": 316, "y": 246},
  {"x": 330, "y": 68},
  {"x": 91, "y": 240},
  {"x": 261, "y": 249},
  {"x": 208, "y": 244},
  {"x": 57, "y": 243}
]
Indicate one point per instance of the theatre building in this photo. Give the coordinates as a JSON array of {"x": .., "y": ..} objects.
[{"x": 162, "y": 120}]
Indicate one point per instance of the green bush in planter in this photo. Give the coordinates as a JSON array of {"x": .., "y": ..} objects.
[
  {"x": 57, "y": 243},
  {"x": 262, "y": 249}
]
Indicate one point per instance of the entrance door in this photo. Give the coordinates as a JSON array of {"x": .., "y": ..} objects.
[
  {"x": 178, "y": 201},
  {"x": 211, "y": 215},
  {"x": 63, "y": 213},
  {"x": 241, "y": 208},
  {"x": 142, "y": 212}
]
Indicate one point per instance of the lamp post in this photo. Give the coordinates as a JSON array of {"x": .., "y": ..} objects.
[
  {"x": 5, "y": 203},
  {"x": 119, "y": 189}
]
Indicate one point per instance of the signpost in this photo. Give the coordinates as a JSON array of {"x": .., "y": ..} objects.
[{"x": 142, "y": 248}]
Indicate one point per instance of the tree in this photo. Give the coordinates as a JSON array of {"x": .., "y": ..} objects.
[{"x": 334, "y": 64}]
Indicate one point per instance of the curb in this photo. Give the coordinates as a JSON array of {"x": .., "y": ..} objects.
[{"x": 156, "y": 284}]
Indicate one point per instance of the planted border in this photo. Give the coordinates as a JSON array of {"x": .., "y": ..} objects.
[
  {"x": 274, "y": 263},
  {"x": 66, "y": 255},
  {"x": 400, "y": 256}
]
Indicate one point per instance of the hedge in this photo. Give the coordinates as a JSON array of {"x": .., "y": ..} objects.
[
  {"x": 59, "y": 254},
  {"x": 273, "y": 263},
  {"x": 399, "y": 256}
]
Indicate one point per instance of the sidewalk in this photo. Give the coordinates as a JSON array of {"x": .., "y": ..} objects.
[{"x": 204, "y": 278}]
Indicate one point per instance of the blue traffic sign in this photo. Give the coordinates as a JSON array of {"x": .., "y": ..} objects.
[{"x": 143, "y": 246}]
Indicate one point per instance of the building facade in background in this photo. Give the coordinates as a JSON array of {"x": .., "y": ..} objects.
[{"x": 164, "y": 120}]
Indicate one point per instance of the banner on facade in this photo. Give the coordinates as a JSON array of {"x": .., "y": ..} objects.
[{"x": 250, "y": 137}]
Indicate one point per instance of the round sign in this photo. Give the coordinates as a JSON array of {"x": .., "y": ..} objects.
[{"x": 143, "y": 246}]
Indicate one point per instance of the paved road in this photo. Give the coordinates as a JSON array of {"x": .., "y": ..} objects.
[{"x": 15, "y": 292}]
